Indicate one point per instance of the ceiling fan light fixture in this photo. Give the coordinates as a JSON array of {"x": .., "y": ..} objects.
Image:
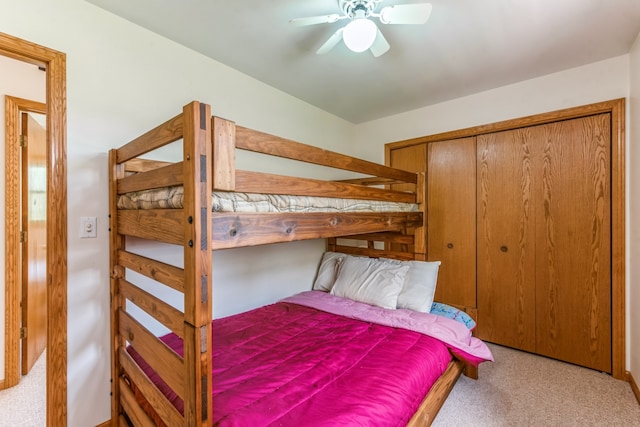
[{"x": 360, "y": 34}]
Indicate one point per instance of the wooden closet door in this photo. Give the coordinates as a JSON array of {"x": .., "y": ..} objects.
[
  {"x": 451, "y": 219},
  {"x": 573, "y": 237},
  {"x": 505, "y": 221}
]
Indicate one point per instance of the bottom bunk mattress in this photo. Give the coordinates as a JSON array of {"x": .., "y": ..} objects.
[{"x": 290, "y": 364}]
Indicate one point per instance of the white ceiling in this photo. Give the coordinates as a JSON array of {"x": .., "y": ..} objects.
[{"x": 467, "y": 46}]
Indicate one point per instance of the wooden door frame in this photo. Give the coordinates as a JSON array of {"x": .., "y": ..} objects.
[
  {"x": 616, "y": 108},
  {"x": 56, "y": 361},
  {"x": 13, "y": 248}
]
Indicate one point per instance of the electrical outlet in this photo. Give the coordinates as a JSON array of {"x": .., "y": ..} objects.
[{"x": 88, "y": 227}]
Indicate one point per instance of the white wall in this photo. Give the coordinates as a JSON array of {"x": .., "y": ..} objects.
[
  {"x": 600, "y": 81},
  {"x": 633, "y": 247},
  {"x": 122, "y": 80},
  {"x": 26, "y": 81}
]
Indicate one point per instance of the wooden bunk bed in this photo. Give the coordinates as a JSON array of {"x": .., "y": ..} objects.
[{"x": 207, "y": 165}]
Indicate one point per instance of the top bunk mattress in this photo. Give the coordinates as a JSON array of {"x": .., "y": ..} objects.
[{"x": 222, "y": 201}]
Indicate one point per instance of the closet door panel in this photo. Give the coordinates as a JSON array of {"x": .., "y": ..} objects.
[
  {"x": 451, "y": 219},
  {"x": 573, "y": 263},
  {"x": 505, "y": 226}
]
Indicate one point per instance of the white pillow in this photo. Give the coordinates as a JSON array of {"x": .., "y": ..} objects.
[
  {"x": 327, "y": 271},
  {"x": 370, "y": 280},
  {"x": 419, "y": 285}
]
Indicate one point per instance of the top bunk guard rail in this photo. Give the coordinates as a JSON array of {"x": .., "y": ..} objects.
[
  {"x": 260, "y": 142},
  {"x": 166, "y": 133},
  {"x": 227, "y": 137}
]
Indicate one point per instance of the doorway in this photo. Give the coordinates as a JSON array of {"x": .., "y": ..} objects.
[
  {"x": 54, "y": 63},
  {"x": 25, "y": 208}
]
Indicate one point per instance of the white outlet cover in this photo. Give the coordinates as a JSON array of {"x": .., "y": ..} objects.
[{"x": 88, "y": 227}]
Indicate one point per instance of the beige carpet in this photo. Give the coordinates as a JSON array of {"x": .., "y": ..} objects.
[
  {"x": 520, "y": 389},
  {"x": 25, "y": 404}
]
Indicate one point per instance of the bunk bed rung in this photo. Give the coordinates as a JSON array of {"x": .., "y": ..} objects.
[
  {"x": 159, "y": 357},
  {"x": 162, "y": 406},
  {"x": 166, "y": 133},
  {"x": 162, "y": 225},
  {"x": 257, "y": 182},
  {"x": 164, "y": 176},
  {"x": 373, "y": 180},
  {"x": 237, "y": 230},
  {"x": 136, "y": 414},
  {"x": 164, "y": 313},
  {"x": 143, "y": 165},
  {"x": 399, "y": 238},
  {"x": 166, "y": 274},
  {"x": 379, "y": 253},
  {"x": 260, "y": 142}
]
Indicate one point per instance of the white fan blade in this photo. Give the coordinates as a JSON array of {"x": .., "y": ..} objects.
[
  {"x": 313, "y": 20},
  {"x": 406, "y": 14},
  {"x": 380, "y": 45},
  {"x": 331, "y": 43}
]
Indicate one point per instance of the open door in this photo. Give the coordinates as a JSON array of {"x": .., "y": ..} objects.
[{"x": 34, "y": 240}]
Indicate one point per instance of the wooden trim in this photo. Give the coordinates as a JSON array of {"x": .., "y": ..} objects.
[
  {"x": 616, "y": 108},
  {"x": 56, "y": 101},
  {"x": 536, "y": 119},
  {"x": 13, "y": 258},
  {"x": 634, "y": 386},
  {"x": 105, "y": 424},
  {"x": 618, "y": 309}
]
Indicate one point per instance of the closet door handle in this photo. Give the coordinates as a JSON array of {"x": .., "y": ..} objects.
[
  {"x": 504, "y": 248},
  {"x": 450, "y": 245}
]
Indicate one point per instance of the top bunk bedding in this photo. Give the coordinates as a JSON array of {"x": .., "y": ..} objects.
[{"x": 222, "y": 201}]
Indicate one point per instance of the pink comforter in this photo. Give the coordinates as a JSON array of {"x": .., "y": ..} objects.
[{"x": 288, "y": 364}]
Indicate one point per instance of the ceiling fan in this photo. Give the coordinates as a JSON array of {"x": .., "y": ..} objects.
[{"x": 361, "y": 33}]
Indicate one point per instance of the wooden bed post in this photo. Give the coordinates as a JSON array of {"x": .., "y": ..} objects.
[
  {"x": 116, "y": 271},
  {"x": 223, "y": 154},
  {"x": 420, "y": 233},
  {"x": 197, "y": 264}
]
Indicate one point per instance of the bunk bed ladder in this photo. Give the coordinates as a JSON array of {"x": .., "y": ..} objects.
[{"x": 189, "y": 227}]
